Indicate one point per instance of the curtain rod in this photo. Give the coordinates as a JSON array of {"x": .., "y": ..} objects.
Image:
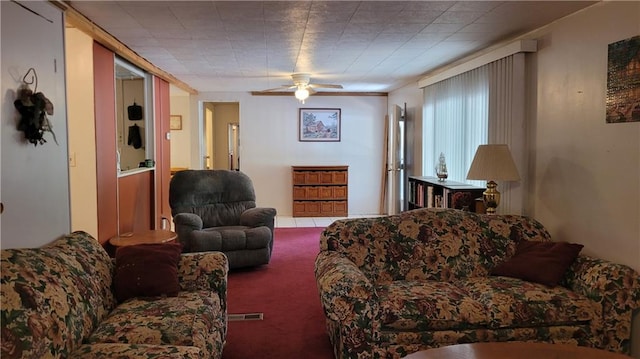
[{"x": 494, "y": 55}]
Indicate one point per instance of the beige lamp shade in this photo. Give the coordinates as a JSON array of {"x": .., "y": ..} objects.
[{"x": 493, "y": 163}]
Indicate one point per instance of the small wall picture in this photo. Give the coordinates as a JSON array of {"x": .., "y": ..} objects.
[
  {"x": 175, "y": 122},
  {"x": 319, "y": 125},
  {"x": 623, "y": 81}
]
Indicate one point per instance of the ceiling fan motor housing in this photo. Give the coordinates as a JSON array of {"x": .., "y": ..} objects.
[{"x": 301, "y": 79}]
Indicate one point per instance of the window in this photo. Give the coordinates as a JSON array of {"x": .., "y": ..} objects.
[
  {"x": 456, "y": 117},
  {"x": 483, "y": 105}
]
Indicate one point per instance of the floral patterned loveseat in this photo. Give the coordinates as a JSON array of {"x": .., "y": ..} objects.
[
  {"x": 58, "y": 301},
  {"x": 394, "y": 285}
]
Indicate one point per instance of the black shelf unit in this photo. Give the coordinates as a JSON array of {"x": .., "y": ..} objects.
[{"x": 430, "y": 192}]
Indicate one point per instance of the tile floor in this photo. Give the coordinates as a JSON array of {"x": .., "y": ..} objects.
[{"x": 289, "y": 222}]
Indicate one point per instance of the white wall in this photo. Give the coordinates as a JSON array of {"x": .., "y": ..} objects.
[
  {"x": 270, "y": 146},
  {"x": 35, "y": 179},
  {"x": 586, "y": 173},
  {"x": 82, "y": 129}
]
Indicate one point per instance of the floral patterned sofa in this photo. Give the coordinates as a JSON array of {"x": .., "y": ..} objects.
[
  {"x": 394, "y": 285},
  {"x": 58, "y": 301}
]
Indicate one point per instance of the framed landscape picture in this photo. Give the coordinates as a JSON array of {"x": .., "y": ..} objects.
[{"x": 319, "y": 125}]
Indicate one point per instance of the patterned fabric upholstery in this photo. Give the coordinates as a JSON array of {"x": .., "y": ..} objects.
[
  {"x": 395, "y": 285},
  {"x": 58, "y": 302}
]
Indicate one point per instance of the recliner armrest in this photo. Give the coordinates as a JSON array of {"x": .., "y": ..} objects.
[
  {"x": 190, "y": 220},
  {"x": 258, "y": 216},
  {"x": 186, "y": 223}
]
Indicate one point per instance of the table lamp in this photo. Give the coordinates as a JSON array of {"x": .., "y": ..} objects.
[{"x": 493, "y": 163}]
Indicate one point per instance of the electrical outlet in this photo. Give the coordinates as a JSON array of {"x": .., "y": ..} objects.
[{"x": 72, "y": 159}]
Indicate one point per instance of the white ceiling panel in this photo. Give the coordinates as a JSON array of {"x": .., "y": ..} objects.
[{"x": 363, "y": 45}]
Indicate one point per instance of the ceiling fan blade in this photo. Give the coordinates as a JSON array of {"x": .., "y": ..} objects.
[
  {"x": 281, "y": 88},
  {"x": 325, "y": 86}
]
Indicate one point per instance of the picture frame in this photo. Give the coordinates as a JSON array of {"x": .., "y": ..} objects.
[
  {"x": 319, "y": 125},
  {"x": 175, "y": 122},
  {"x": 623, "y": 87}
]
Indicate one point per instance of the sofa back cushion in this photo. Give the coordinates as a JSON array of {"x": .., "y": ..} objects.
[
  {"x": 429, "y": 244},
  {"x": 54, "y": 296}
]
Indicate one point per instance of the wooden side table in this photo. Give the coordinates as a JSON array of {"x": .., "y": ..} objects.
[
  {"x": 143, "y": 237},
  {"x": 511, "y": 350}
]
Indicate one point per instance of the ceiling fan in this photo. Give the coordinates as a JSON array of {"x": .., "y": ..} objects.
[{"x": 304, "y": 87}]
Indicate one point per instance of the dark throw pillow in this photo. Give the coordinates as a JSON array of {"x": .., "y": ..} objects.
[
  {"x": 540, "y": 262},
  {"x": 147, "y": 270}
]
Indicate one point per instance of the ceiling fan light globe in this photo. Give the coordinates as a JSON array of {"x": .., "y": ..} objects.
[{"x": 302, "y": 94}]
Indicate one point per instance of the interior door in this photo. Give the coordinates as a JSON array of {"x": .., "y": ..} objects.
[
  {"x": 395, "y": 161},
  {"x": 35, "y": 178}
]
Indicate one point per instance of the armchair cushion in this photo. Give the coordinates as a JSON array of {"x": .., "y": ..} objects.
[
  {"x": 235, "y": 238},
  {"x": 147, "y": 270}
]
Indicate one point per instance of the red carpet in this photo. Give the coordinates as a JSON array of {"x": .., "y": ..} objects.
[{"x": 285, "y": 291}]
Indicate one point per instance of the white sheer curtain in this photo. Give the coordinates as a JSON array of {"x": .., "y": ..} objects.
[
  {"x": 456, "y": 114},
  {"x": 507, "y": 124},
  {"x": 483, "y": 105}
]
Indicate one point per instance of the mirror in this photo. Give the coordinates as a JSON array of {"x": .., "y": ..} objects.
[{"x": 134, "y": 125}]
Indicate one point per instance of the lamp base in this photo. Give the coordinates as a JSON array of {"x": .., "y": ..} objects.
[{"x": 491, "y": 197}]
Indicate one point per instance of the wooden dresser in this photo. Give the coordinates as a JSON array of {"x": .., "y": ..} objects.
[{"x": 320, "y": 191}]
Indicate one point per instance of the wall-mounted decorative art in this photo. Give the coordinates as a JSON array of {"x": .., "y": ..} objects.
[
  {"x": 623, "y": 81},
  {"x": 175, "y": 122},
  {"x": 319, "y": 124}
]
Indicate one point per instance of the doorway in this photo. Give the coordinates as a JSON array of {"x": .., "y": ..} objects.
[{"x": 221, "y": 135}]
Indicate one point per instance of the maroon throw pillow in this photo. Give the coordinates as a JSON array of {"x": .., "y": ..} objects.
[
  {"x": 147, "y": 270},
  {"x": 539, "y": 262}
]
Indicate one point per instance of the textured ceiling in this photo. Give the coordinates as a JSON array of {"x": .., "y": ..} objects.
[{"x": 362, "y": 45}]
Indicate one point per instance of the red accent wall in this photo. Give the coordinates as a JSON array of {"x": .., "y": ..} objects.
[
  {"x": 136, "y": 202},
  {"x": 163, "y": 150},
  {"x": 105, "y": 114}
]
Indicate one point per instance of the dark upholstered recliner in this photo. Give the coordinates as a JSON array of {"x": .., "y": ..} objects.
[{"x": 215, "y": 210}]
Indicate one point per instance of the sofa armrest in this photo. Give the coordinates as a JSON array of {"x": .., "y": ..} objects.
[
  {"x": 346, "y": 293},
  {"x": 349, "y": 302},
  {"x": 617, "y": 288},
  {"x": 204, "y": 271},
  {"x": 258, "y": 216}
]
